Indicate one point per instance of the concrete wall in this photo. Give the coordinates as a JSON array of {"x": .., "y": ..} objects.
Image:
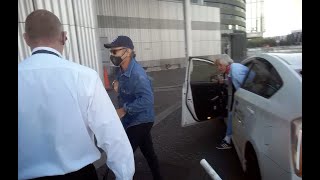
[
  {"x": 233, "y": 13},
  {"x": 157, "y": 30},
  {"x": 206, "y": 35},
  {"x": 79, "y": 20},
  {"x": 155, "y": 27}
]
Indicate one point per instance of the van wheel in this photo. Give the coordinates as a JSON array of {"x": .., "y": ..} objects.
[{"x": 252, "y": 167}]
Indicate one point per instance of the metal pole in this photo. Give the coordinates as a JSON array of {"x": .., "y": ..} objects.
[
  {"x": 211, "y": 172},
  {"x": 188, "y": 30}
]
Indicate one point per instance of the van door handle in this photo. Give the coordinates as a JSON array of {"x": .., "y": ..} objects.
[{"x": 250, "y": 110}]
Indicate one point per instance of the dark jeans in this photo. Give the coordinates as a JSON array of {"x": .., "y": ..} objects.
[
  {"x": 139, "y": 136},
  {"x": 86, "y": 173}
]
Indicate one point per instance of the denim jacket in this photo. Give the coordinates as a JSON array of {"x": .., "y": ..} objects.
[{"x": 135, "y": 95}]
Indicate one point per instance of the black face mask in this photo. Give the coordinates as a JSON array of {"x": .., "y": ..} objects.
[{"x": 116, "y": 60}]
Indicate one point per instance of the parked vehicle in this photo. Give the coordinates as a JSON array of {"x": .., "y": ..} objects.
[{"x": 266, "y": 115}]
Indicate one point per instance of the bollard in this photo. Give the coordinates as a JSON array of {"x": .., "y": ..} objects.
[{"x": 211, "y": 172}]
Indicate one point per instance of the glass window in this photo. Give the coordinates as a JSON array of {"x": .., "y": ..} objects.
[
  {"x": 262, "y": 9},
  {"x": 203, "y": 71},
  {"x": 254, "y": 10},
  {"x": 259, "y": 10},
  {"x": 254, "y": 24},
  {"x": 263, "y": 79},
  {"x": 248, "y": 13},
  {"x": 248, "y": 24},
  {"x": 242, "y": 28},
  {"x": 225, "y": 6},
  {"x": 259, "y": 25},
  {"x": 226, "y": 16}
]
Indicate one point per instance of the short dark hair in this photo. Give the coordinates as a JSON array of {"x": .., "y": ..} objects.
[{"x": 42, "y": 24}]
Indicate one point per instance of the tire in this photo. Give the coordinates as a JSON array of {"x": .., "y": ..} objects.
[{"x": 252, "y": 166}]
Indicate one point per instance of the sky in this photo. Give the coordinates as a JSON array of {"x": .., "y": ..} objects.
[{"x": 282, "y": 17}]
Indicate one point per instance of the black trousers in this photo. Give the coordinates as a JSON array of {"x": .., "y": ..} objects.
[
  {"x": 86, "y": 173},
  {"x": 139, "y": 136}
]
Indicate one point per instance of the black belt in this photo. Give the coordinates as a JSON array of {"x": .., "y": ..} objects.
[{"x": 45, "y": 52}]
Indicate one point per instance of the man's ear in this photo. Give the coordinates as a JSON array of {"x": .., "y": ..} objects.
[
  {"x": 64, "y": 37},
  {"x": 130, "y": 52}
]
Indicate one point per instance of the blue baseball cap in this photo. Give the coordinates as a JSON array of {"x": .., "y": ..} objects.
[{"x": 120, "y": 41}]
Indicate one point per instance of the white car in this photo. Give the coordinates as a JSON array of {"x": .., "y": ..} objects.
[{"x": 267, "y": 111}]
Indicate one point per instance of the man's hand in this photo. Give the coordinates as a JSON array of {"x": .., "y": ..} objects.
[
  {"x": 220, "y": 80},
  {"x": 115, "y": 85},
  {"x": 121, "y": 112}
]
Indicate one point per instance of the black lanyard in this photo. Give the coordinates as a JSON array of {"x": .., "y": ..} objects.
[{"x": 45, "y": 52}]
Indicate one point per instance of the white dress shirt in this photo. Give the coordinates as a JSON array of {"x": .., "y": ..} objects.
[{"x": 61, "y": 106}]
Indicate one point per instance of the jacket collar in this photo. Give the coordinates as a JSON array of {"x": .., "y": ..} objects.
[{"x": 128, "y": 71}]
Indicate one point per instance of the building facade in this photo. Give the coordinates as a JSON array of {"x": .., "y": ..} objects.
[
  {"x": 255, "y": 18},
  {"x": 233, "y": 26},
  {"x": 79, "y": 20},
  {"x": 157, "y": 28}
]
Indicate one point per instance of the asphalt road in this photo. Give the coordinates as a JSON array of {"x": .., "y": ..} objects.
[{"x": 180, "y": 149}]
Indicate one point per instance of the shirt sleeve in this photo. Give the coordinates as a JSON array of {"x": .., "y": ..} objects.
[
  {"x": 143, "y": 96},
  {"x": 110, "y": 134}
]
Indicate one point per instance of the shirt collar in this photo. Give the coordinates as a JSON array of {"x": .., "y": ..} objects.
[
  {"x": 46, "y": 48},
  {"x": 228, "y": 69},
  {"x": 130, "y": 67}
]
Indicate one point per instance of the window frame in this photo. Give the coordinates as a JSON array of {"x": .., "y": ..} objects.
[{"x": 250, "y": 64}]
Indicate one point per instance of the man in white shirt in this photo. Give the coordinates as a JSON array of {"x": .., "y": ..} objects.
[{"x": 61, "y": 106}]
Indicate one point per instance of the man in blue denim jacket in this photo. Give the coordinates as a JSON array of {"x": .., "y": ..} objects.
[{"x": 136, "y": 100}]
